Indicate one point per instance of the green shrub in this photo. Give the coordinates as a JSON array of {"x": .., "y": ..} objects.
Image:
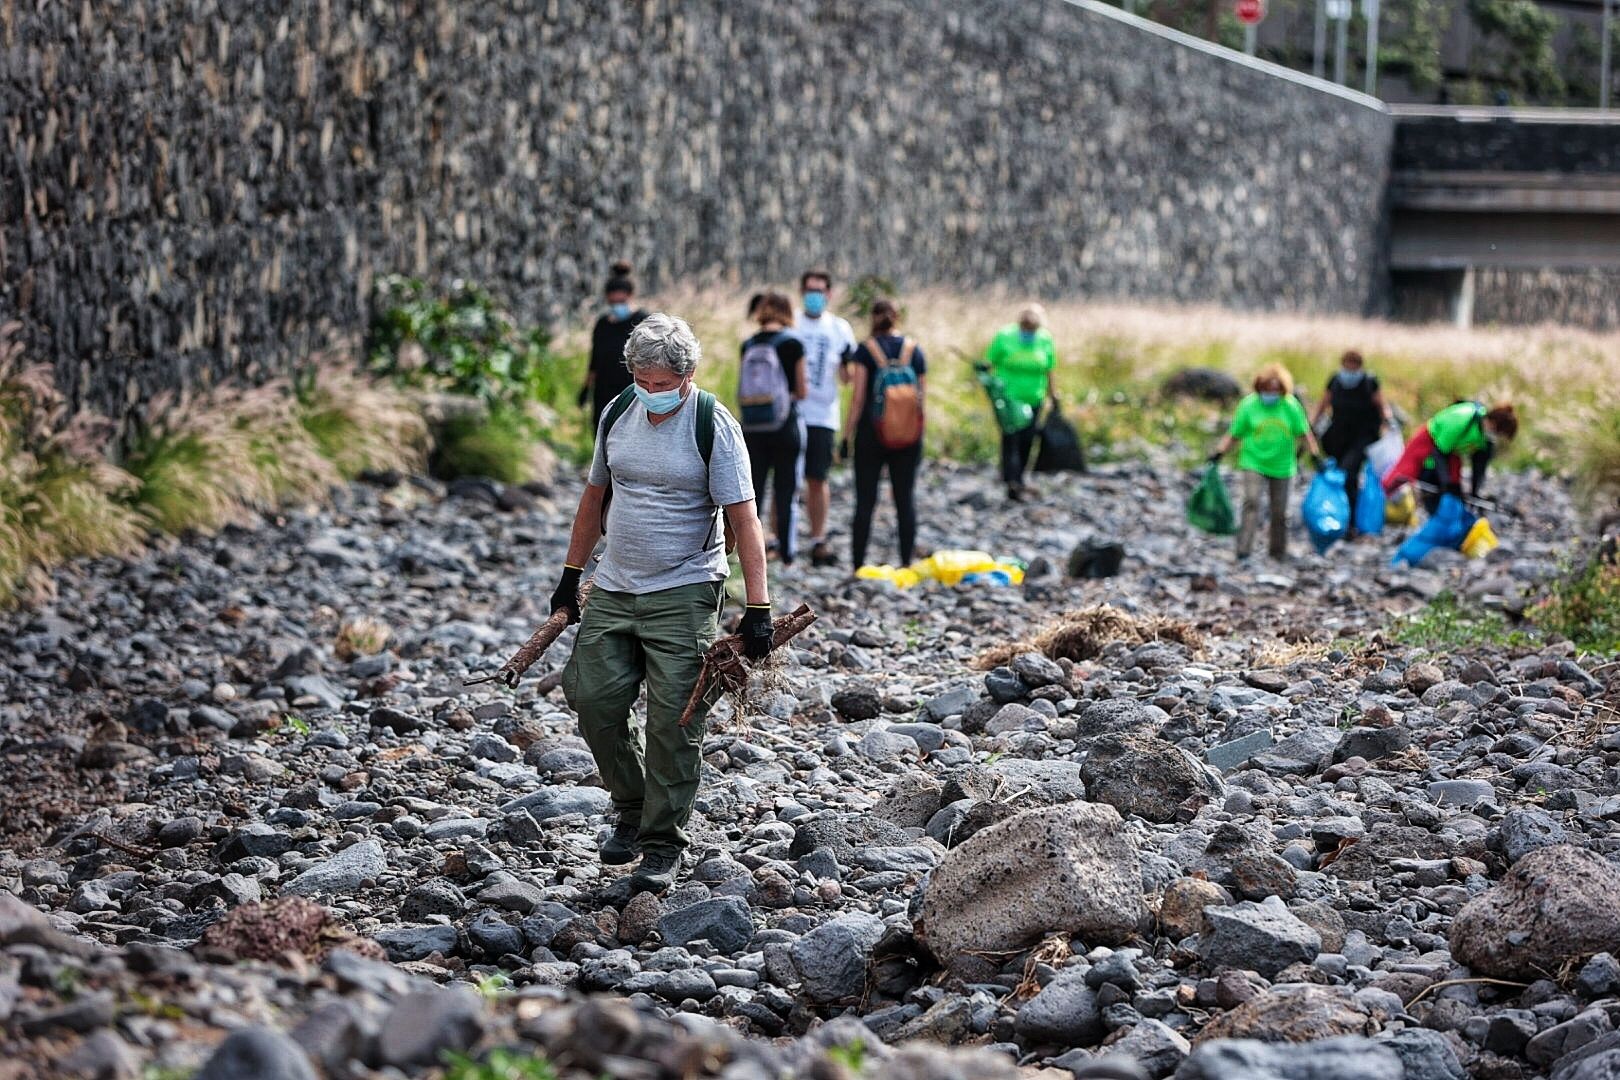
[
  {"x": 499, "y": 1064},
  {"x": 1446, "y": 624},
  {"x": 461, "y": 343},
  {"x": 1583, "y": 605},
  {"x": 501, "y": 446}
]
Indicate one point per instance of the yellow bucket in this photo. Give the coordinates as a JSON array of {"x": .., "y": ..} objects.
[{"x": 1480, "y": 541}]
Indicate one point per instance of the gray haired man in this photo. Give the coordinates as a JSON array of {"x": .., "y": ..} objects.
[{"x": 675, "y": 464}]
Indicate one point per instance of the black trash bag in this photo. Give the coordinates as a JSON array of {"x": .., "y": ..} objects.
[
  {"x": 1061, "y": 449},
  {"x": 1092, "y": 559}
]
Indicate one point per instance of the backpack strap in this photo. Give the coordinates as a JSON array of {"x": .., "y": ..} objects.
[
  {"x": 907, "y": 349},
  {"x": 703, "y": 428},
  {"x": 620, "y": 406}
]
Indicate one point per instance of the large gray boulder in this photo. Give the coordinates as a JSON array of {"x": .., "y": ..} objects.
[
  {"x": 831, "y": 959},
  {"x": 1069, "y": 868},
  {"x": 1556, "y": 904},
  {"x": 1147, "y": 777}
]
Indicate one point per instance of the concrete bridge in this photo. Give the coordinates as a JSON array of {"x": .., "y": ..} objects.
[{"x": 1491, "y": 206}]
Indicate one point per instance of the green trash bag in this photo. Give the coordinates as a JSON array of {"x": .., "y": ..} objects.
[
  {"x": 1011, "y": 416},
  {"x": 1209, "y": 507}
]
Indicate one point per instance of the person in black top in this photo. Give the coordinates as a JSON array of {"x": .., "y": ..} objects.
[
  {"x": 1359, "y": 413},
  {"x": 775, "y": 449},
  {"x": 870, "y": 456},
  {"x": 607, "y": 377}
]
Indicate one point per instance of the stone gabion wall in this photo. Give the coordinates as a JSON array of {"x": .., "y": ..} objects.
[
  {"x": 1588, "y": 296},
  {"x": 196, "y": 188}
]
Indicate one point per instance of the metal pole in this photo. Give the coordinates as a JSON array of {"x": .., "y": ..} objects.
[
  {"x": 1370, "y": 8},
  {"x": 1250, "y": 32},
  {"x": 1319, "y": 41},
  {"x": 1605, "y": 66},
  {"x": 1341, "y": 50}
]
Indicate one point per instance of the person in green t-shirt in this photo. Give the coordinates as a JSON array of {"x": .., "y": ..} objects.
[
  {"x": 1267, "y": 427},
  {"x": 1433, "y": 456},
  {"x": 1022, "y": 356}
]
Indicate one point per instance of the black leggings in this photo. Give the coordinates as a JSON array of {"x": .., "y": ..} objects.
[
  {"x": 1015, "y": 450},
  {"x": 1349, "y": 450},
  {"x": 870, "y": 460},
  {"x": 777, "y": 451}
]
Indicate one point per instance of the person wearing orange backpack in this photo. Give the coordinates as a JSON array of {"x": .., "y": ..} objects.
[{"x": 886, "y": 417}]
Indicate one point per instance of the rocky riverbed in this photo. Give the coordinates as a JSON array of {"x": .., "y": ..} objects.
[{"x": 255, "y": 825}]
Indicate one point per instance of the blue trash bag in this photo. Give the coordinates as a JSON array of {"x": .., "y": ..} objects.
[
  {"x": 1370, "y": 502},
  {"x": 1326, "y": 509},
  {"x": 1447, "y": 528}
]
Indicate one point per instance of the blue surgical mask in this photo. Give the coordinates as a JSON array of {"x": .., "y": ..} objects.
[
  {"x": 664, "y": 401},
  {"x": 1269, "y": 397},
  {"x": 815, "y": 302},
  {"x": 619, "y": 311},
  {"x": 1027, "y": 336},
  {"x": 1351, "y": 378}
]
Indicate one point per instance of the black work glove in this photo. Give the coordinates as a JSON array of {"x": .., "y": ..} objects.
[
  {"x": 584, "y": 396},
  {"x": 755, "y": 631},
  {"x": 1215, "y": 455},
  {"x": 1317, "y": 461},
  {"x": 567, "y": 594},
  {"x": 843, "y": 449}
]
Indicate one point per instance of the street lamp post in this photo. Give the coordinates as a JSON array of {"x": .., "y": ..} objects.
[
  {"x": 1319, "y": 41},
  {"x": 1369, "y": 8},
  {"x": 1606, "y": 66},
  {"x": 1339, "y": 12}
]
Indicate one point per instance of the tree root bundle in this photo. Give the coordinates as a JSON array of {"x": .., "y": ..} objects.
[{"x": 726, "y": 668}]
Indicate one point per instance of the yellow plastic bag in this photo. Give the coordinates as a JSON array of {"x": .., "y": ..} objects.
[
  {"x": 1400, "y": 508},
  {"x": 1480, "y": 541},
  {"x": 903, "y": 577},
  {"x": 950, "y": 567}
]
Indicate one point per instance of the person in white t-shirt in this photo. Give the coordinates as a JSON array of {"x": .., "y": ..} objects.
[{"x": 829, "y": 345}]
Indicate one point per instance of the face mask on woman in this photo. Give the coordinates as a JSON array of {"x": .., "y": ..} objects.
[
  {"x": 620, "y": 311},
  {"x": 1351, "y": 378},
  {"x": 815, "y": 302},
  {"x": 659, "y": 403},
  {"x": 1270, "y": 397},
  {"x": 1027, "y": 337}
]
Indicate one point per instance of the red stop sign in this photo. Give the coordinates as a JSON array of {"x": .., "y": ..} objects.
[{"x": 1250, "y": 12}]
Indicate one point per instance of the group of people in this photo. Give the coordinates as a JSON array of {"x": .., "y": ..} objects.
[
  {"x": 1269, "y": 424},
  {"x": 675, "y": 474}
]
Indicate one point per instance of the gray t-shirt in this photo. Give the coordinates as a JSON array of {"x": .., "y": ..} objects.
[{"x": 663, "y": 530}]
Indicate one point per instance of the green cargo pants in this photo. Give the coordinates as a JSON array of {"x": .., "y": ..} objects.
[{"x": 625, "y": 640}]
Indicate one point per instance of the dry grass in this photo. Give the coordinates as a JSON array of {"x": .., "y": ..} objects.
[
  {"x": 59, "y": 498},
  {"x": 1082, "y": 635},
  {"x": 362, "y": 425},
  {"x": 1283, "y": 654},
  {"x": 361, "y": 636},
  {"x": 197, "y": 464}
]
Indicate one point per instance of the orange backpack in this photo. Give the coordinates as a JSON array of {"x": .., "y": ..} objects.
[{"x": 897, "y": 401}]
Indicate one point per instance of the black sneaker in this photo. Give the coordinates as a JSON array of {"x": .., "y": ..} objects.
[
  {"x": 822, "y": 555},
  {"x": 621, "y": 847},
  {"x": 656, "y": 873}
]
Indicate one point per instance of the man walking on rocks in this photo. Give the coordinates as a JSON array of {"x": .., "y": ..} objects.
[
  {"x": 674, "y": 462},
  {"x": 829, "y": 345}
]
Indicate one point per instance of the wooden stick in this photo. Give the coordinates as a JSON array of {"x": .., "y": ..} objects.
[
  {"x": 726, "y": 666},
  {"x": 512, "y": 671}
]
